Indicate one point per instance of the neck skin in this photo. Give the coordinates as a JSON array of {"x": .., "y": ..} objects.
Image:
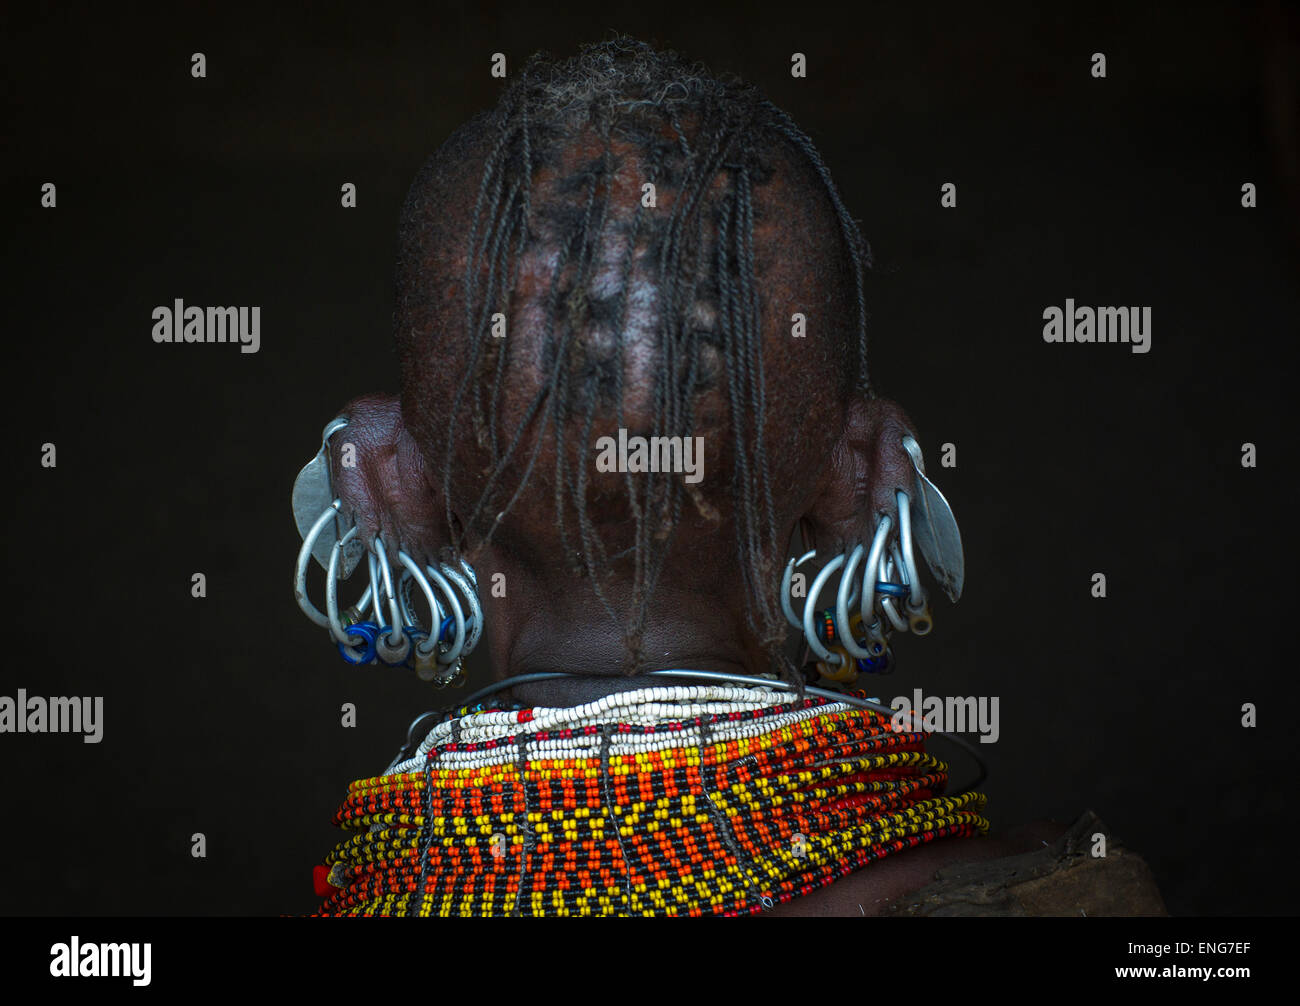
[{"x": 545, "y": 624}]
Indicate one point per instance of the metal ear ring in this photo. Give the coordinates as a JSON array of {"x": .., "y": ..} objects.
[
  {"x": 450, "y": 633},
  {"x": 843, "y": 627},
  {"x": 787, "y": 609},
  {"x": 465, "y": 579},
  {"x": 345, "y": 634},
  {"x": 304, "y": 557},
  {"x": 888, "y": 565},
  {"x": 918, "y": 605},
  {"x": 394, "y": 642},
  {"x": 427, "y": 649},
  {"x": 872, "y": 582},
  {"x": 810, "y": 610}
]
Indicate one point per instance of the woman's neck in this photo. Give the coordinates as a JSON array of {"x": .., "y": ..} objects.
[{"x": 570, "y": 635}]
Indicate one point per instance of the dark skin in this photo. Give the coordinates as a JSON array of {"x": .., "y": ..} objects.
[{"x": 835, "y": 454}]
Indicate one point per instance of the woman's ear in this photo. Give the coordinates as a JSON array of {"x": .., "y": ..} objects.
[
  {"x": 876, "y": 456},
  {"x": 868, "y": 464},
  {"x": 378, "y": 471}
]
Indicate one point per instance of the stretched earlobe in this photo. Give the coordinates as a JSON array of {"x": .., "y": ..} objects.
[
  {"x": 378, "y": 471},
  {"x": 878, "y": 513},
  {"x": 362, "y": 496},
  {"x": 868, "y": 465}
]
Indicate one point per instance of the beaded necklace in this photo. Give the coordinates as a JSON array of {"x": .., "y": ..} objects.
[{"x": 687, "y": 800}]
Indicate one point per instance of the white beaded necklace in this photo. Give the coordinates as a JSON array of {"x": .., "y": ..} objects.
[{"x": 659, "y": 707}]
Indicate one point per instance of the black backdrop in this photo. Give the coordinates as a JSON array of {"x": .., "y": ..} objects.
[{"x": 222, "y": 714}]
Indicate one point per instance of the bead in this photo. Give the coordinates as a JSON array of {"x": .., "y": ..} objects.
[{"x": 665, "y": 801}]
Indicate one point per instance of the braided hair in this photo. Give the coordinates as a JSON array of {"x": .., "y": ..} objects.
[{"x": 555, "y": 144}]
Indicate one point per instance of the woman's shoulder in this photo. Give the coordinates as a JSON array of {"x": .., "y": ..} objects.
[{"x": 1040, "y": 869}]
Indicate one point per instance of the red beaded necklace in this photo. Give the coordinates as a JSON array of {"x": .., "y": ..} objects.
[{"x": 700, "y": 800}]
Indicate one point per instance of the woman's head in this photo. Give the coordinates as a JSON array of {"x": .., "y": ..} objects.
[{"x": 628, "y": 243}]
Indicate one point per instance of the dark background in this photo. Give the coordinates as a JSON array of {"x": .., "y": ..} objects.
[{"x": 222, "y": 714}]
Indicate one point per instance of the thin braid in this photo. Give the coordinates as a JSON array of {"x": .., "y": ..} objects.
[
  {"x": 593, "y": 549},
  {"x": 523, "y": 223},
  {"x": 471, "y": 283},
  {"x": 502, "y": 351},
  {"x": 765, "y": 556},
  {"x": 545, "y": 394},
  {"x": 577, "y": 295},
  {"x": 492, "y": 209},
  {"x": 728, "y": 311}
]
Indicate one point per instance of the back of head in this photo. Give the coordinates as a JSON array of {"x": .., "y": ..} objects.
[{"x": 628, "y": 246}]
